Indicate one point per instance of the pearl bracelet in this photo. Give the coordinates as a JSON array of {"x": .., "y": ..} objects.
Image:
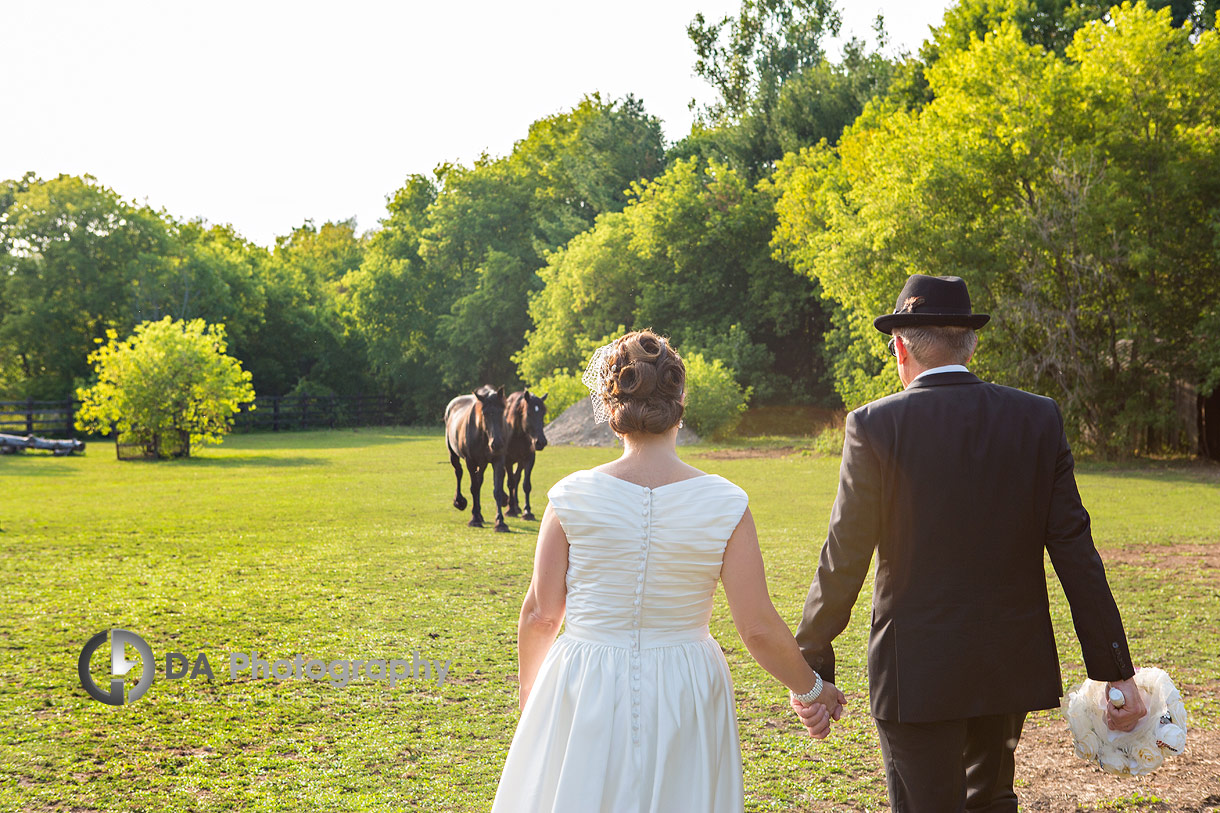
[{"x": 811, "y": 695}]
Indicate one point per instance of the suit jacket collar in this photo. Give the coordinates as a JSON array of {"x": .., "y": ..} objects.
[{"x": 942, "y": 379}]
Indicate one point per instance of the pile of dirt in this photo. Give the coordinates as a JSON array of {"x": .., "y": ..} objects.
[{"x": 575, "y": 427}]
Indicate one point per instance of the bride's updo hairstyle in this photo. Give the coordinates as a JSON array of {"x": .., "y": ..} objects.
[{"x": 644, "y": 384}]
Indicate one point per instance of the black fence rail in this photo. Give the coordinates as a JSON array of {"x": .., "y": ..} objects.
[
  {"x": 48, "y": 419},
  {"x": 279, "y": 413},
  {"x": 275, "y": 413}
]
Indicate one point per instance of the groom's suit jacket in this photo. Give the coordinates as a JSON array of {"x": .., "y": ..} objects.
[{"x": 959, "y": 486}]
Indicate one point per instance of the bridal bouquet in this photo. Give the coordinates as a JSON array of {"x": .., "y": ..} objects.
[{"x": 1161, "y": 733}]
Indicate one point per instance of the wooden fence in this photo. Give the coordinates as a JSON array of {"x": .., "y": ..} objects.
[
  {"x": 276, "y": 413},
  {"x": 279, "y": 413},
  {"x": 44, "y": 418}
]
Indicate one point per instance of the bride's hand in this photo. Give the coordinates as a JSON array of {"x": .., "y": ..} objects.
[{"x": 817, "y": 715}]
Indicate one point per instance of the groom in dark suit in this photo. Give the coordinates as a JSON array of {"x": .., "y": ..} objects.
[{"x": 959, "y": 486}]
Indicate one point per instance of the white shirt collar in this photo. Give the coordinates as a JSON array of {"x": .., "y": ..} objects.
[{"x": 948, "y": 368}]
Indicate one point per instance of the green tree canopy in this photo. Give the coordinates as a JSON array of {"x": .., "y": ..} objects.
[
  {"x": 746, "y": 58},
  {"x": 395, "y": 300},
  {"x": 80, "y": 261},
  {"x": 1076, "y": 194},
  {"x": 777, "y": 90},
  {"x": 690, "y": 256},
  {"x": 442, "y": 296}
]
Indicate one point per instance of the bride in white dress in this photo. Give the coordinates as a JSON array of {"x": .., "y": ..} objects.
[{"x": 631, "y": 709}]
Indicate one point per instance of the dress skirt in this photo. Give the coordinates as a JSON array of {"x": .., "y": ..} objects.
[{"x": 627, "y": 720}]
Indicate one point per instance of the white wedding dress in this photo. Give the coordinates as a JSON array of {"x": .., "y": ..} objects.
[{"x": 632, "y": 709}]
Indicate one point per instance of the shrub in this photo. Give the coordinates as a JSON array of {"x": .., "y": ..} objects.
[
  {"x": 169, "y": 381},
  {"x": 562, "y": 389},
  {"x": 829, "y": 441},
  {"x": 714, "y": 399}
]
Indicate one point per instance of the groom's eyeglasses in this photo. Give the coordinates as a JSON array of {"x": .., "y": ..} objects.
[{"x": 893, "y": 346}]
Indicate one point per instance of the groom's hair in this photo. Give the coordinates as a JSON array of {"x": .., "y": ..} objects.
[{"x": 935, "y": 346}]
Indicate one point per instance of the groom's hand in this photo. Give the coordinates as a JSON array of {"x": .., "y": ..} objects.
[{"x": 1133, "y": 709}]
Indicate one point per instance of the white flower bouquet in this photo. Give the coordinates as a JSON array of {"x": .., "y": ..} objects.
[{"x": 1161, "y": 733}]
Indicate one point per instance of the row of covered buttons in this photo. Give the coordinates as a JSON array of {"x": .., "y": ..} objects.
[{"x": 635, "y": 622}]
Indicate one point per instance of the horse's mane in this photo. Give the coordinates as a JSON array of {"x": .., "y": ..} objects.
[
  {"x": 485, "y": 391},
  {"x": 515, "y": 409}
]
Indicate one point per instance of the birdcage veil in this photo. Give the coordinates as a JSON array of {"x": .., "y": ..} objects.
[{"x": 599, "y": 370}]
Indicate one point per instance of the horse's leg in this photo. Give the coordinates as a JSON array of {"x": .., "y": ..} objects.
[
  {"x": 476, "y": 486},
  {"x": 497, "y": 479},
  {"x": 514, "y": 477},
  {"x": 459, "y": 502},
  {"x": 528, "y": 465}
]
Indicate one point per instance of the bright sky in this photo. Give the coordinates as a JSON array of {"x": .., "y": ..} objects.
[{"x": 263, "y": 114}]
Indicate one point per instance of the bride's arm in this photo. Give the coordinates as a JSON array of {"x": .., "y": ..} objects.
[
  {"x": 762, "y": 630},
  {"x": 542, "y": 612}
]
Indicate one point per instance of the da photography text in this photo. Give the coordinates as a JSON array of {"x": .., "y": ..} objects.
[{"x": 250, "y": 665}]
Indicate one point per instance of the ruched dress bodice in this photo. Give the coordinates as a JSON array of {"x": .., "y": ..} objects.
[
  {"x": 632, "y": 709},
  {"x": 643, "y": 558}
]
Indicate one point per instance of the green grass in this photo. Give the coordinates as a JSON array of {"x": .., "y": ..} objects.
[{"x": 344, "y": 544}]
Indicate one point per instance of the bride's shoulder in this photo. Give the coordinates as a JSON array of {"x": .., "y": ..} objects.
[
  {"x": 578, "y": 482},
  {"x": 723, "y": 487}
]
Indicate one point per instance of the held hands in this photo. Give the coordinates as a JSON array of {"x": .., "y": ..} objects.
[
  {"x": 817, "y": 716},
  {"x": 1132, "y": 711}
]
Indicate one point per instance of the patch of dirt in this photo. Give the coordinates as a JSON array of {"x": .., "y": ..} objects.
[
  {"x": 1192, "y": 557},
  {"x": 742, "y": 454},
  {"x": 1050, "y": 777}
]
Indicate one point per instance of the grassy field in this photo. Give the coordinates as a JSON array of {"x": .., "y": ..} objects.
[{"x": 344, "y": 544}]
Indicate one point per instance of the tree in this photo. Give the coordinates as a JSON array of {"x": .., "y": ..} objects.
[
  {"x": 1071, "y": 194},
  {"x": 167, "y": 387},
  {"x": 816, "y": 103},
  {"x": 748, "y": 57},
  {"x": 305, "y": 343},
  {"x": 690, "y": 256},
  {"x": 491, "y": 226},
  {"x": 80, "y": 261},
  {"x": 395, "y": 301},
  {"x": 442, "y": 296},
  {"x": 1050, "y": 24},
  {"x": 590, "y": 287},
  {"x": 777, "y": 90}
]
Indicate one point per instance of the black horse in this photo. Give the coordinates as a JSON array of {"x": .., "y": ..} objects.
[
  {"x": 526, "y": 414},
  {"x": 475, "y": 431}
]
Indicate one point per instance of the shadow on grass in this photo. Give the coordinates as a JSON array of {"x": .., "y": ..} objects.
[
  {"x": 1206, "y": 472},
  {"x": 336, "y": 438},
  {"x": 242, "y": 460},
  {"x": 31, "y": 465}
]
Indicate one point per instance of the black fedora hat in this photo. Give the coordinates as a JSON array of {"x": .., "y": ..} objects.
[{"x": 932, "y": 301}]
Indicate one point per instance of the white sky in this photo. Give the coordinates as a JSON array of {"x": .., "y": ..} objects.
[{"x": 263, "y": 114}]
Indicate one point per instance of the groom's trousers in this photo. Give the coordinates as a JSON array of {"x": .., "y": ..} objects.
[{"x": 951, "y": 766}]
